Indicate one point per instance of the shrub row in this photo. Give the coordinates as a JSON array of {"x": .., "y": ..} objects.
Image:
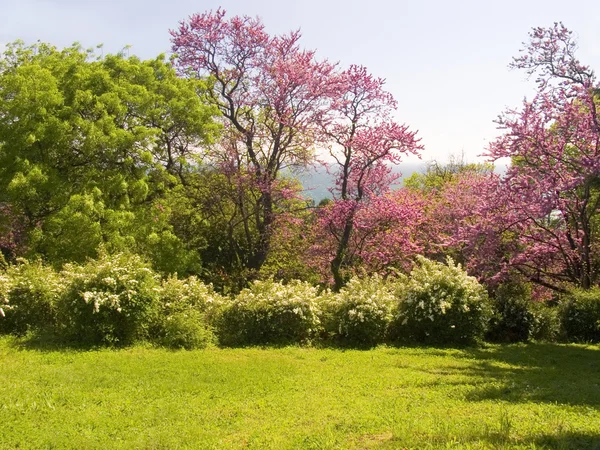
[
  {"x": 114, "y": 300},
  {"x": 119, "y": 300}
]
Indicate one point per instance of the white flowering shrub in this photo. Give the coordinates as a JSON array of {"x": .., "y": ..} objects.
[
  {"x": 441, "y": 304},
  {"x": 180, "y": 295},
  {"x": 29, "y": 293},
  {"x": 187, "y": 309},
  {"x": 5, "y": 283},
  {"x": 112, "y": 300},
  {"x": 360, "y": 313},
  {"x": 269, "y": 312}
]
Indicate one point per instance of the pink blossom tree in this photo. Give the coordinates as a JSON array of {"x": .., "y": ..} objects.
[
  {"x": 386, "y": 234},
  {"x": 466, "y": 220},
  {"x": 552, "y": 187},
  {"x": 271, "y": 94},
  {"x": 363, "y": 142}
]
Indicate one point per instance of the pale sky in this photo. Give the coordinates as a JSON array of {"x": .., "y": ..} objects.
[{"x": 444, "y": 61}]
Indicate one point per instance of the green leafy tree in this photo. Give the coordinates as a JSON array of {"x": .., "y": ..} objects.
[
  {"x": 437, "y": 174},
  {"x": 89, "y": 146}
]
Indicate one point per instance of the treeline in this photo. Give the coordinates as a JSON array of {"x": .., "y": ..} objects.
[{"x": 188, "y": 164}]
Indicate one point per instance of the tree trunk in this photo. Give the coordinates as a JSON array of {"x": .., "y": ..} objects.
[{"x": 340, "y": 256}]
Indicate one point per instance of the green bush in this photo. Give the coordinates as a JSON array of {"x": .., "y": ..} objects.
[
  {"x": 181, "y": 295},
  {"x": 270, "y": 313},
  {"x": 186, "y": 309},
  {"x": 187, "y": 330},
  {"x": 29, "y": 293},
  {"x": 360, "y": 313},
  {"x": 441, "y": 304},
  {"x": 513, "y": 319},
  {"x": 112, "y": 300},
  {"x": 580, "y": 311},
  {"x": 546, "y": 322}
]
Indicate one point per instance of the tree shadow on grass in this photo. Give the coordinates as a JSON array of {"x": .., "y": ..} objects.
[
  {"x": 498, "y": 440},
  {"x": 43, "y": 342},
  {"x": 546, "y": 373},
  {"x": 567, "y": 440}
]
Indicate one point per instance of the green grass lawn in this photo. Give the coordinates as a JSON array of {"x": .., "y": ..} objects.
[{"x": 520, "y": 396}]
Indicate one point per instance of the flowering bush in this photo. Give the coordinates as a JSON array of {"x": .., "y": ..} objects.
[
  {"x": 580, "y": 312},
  {"x": 111, "y": 300},
  {"x": 185, "y": 311},
  {"x": 5, "y": 284},
  {"x": 180, "y": 295},
  {"x": 29, "y": 293},
  {"x": 360, "y": 313},
  {"x": 269, "y": 312},
  {"x": 441, "y": 304}
]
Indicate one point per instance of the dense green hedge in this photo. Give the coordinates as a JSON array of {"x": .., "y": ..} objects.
[
  {"x": 119, "y": 300},
  {"x": 580, "y": 312}
]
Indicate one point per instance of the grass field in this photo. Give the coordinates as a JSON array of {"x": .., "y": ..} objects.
[{"x": 520, "y": 396}]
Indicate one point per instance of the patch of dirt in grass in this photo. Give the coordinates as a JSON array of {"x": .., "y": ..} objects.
[{"x": 367, "y": 441}]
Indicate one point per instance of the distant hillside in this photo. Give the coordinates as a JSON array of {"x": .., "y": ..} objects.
[{"x": 317, "y": 181}]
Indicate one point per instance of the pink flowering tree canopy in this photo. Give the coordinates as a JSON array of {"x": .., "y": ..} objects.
[
  {"x": 552, "y": 185},
  {"x": 271, "y": 94},
  {"x": 363, "y": 142}
]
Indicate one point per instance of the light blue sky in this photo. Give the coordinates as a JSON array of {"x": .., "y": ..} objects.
[{"x": 444, "y": 61}]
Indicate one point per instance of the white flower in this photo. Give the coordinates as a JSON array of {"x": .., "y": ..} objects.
[{"x": 87, "y": 296}]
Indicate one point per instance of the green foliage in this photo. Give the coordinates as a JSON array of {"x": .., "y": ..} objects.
[
  {"x": 3, "y": 263},
  {"x": 185, "y": 330},
  {"x": 289, "y": 247},
  {"x": 580, "y": 311},
  {"x": 438, "y": 174},
  {"x": 187, "y": 308},
  {"x": 517, "y": 317},
  {"x": 88, "y": 147},
  {"x": 29, "y": 293},
  {"x": 546, "y": 322},
  {"x": 154, "y": 235},
  {"x": 112, "y": 300},
  {"x": 512, "y": 319},
  {"x": 441, "y": 304},
  {"x": 269, "y": 312},
  {"x": 205, "y": 215},
  {"x": 180, "y": 295},
  {"x": 360, "y": 313}
]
